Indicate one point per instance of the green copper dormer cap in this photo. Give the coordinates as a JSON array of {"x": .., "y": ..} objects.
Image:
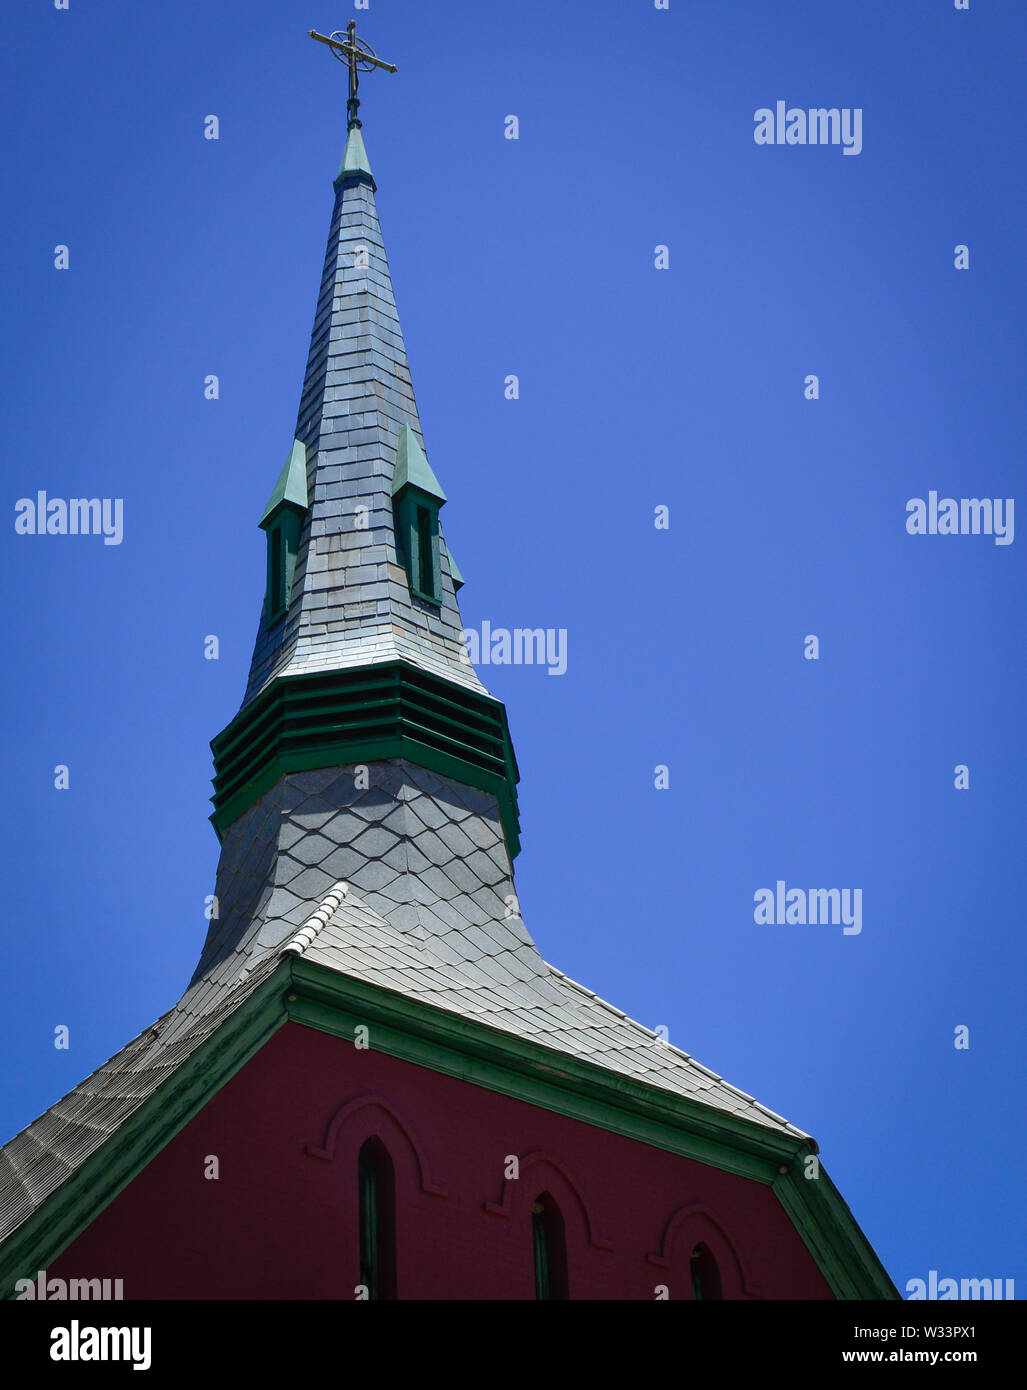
[
  {"x": 291, "y": 488},
  {"x": 355, "y": 163},
  {"x": 412, "y": 468}
]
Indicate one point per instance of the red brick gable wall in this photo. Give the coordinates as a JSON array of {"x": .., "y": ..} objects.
[{"x": 281, "y": 1220}]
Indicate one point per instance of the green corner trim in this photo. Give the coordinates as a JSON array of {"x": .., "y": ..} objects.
[
  {"x": 469, "y": 1051},
  {"x": 846, "y": 1258},
  {"x": 80, "y": 1199},
  {"x": 367, "y": 714}
]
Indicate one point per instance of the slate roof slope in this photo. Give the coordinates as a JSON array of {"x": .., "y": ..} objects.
[
  {"x": 546, "y": 1007},
  {"x": 344, "y": 934},
  {"x": 426, "y": 852},
  {"x": 426, "y": 913},
  {"x": 351, "y": 602},
  {"x": 35, "y": 1163}
]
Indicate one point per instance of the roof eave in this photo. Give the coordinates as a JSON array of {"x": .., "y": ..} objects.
[
  {"x": 332, "y": 1002},
  {"x": 316, "y": 996}
]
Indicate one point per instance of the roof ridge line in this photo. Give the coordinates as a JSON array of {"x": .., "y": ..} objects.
[
  {"x": 772, "y": 1113},
  {"x": 144, "y": 1039},
  {"x": 714, "y": 1076},
  {"x": 317, "y": 920},
  {"x": 134, "y": 1050},
  {"x": 626, "y": 1018},
  {"x": 692, "y": 1061},
  {"x": 598, "y": 998}
]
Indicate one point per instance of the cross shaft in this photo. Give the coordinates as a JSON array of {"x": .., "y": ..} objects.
[{"x": 353, "y": 54}]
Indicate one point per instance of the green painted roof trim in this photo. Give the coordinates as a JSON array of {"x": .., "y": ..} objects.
[
  {"x": 461, "y": 1047},
  {"x": 291, "y": 488},
  {"x": 470, "y": 1051},
  {"x": 315, "y": 996},
  {"x": 822, "y": 1217},
  {"x": 81, "y": 1198},
  {"x": 412, "y": 469},
  {"x": 354, "y": 159}
]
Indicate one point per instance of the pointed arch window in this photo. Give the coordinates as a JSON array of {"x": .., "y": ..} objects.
[
  {"x": 377, "y": 1205},
  {"x": 705, "y": 1275},
  {"x": 550, "y": 1249}
]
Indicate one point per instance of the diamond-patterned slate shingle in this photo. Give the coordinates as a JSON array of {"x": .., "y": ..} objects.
[{"x": 549, "y": 1008}]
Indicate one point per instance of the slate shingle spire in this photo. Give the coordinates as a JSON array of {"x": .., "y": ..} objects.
[
  {"x": 366, "y": 747},
  {"x": 351, "y": 602}
]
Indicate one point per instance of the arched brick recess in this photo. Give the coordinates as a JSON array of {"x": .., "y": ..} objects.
[
  {"x": 691, "y": 1225},
  {"x": 543, "y": 1172},
  {"x": 368, "y": 1115}
]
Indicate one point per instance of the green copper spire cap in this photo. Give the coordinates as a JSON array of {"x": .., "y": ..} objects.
[
  {"x": 412, "y": 468},
  {"x": 354, "y": 158},
  {"x": 292, "y": 483}
]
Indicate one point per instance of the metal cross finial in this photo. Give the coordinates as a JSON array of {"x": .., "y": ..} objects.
[{"x": 358, "y": 57}]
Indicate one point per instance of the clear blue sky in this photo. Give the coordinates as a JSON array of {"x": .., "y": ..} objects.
[{"x": 639, "y": 387}]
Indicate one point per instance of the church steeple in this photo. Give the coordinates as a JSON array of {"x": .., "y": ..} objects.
[
  {"x": 366, "y": 951},
  {"x": 360, "y": 687},
  {"x": 360, "y": 617},
  {"x": 353, "y": 601}
]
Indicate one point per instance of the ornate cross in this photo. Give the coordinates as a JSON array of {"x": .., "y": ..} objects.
[{"x": 358, "y": 57}]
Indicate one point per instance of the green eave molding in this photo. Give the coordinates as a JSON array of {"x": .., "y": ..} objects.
[
  {"x": 460, "y": 1047},
  {"x": 140, "y": 1137},
  {"x": 314, "y": 996},
  {"x": 291, "y": 488},
  {"x": 365, "y": 714}
]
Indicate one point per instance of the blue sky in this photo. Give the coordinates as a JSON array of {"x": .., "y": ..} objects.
[{"x": 638, "y": 387}]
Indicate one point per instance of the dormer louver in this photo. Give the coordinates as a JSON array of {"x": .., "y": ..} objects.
[
  {"x": 282, "y": 522},
  {"x": 416, "y": 499}
]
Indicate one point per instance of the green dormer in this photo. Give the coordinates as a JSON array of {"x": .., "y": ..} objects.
[
  {"x": 416, "y": 499},
  {"x": 282, "y": 522}
]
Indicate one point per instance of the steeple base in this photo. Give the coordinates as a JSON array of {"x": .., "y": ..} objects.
[
  {"x": 428, "y": 853},
  {"x": 362, "y": 715}
]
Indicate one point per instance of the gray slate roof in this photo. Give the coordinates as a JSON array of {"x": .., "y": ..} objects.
[
  {"x": 430, "y": 911},
  {"x": 545, "y": 1006},
  {"x": 345, "y": 935},
  {"x": 437, "y": 934},
  {"x": 37, "y": 1161}
]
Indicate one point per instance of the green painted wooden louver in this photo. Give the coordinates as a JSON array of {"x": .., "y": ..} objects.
[
  {"x": 365, "y": 714},
  {"x": 416, "y": 499},
  {"x": 282, "y": 521}
]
